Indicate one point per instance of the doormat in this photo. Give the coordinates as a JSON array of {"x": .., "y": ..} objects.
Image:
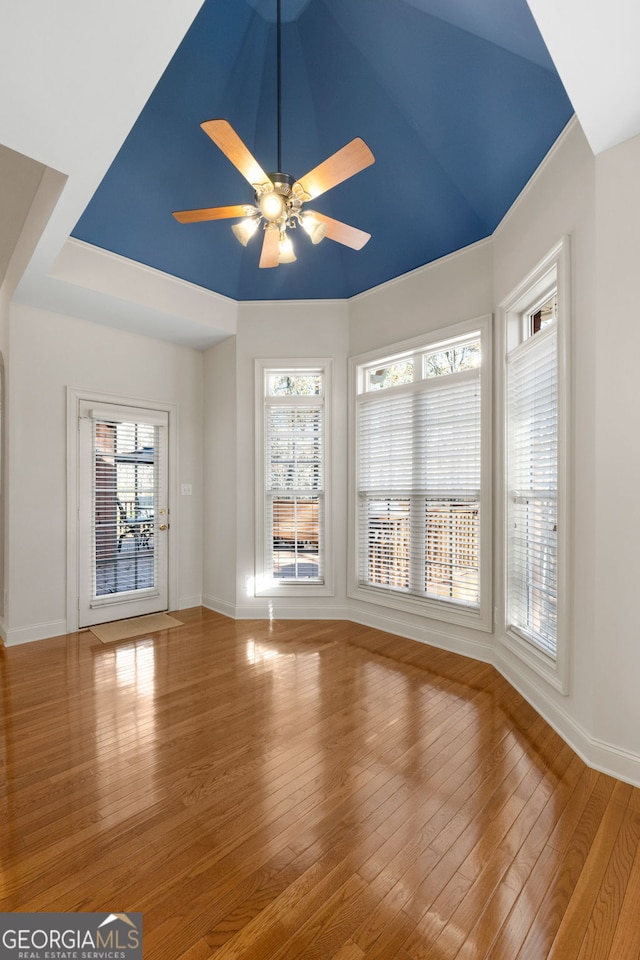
[{"x": 136, "y": 627}]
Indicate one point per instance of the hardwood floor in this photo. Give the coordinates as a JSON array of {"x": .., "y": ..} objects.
[{"x": 317, "y": 790}]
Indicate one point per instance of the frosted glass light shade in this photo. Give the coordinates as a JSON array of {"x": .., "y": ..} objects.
[
  {"x": 271, "y": 206},
  {"x": 245, "y": 229},
  {"x": 315, "y": 228},
  {"x": 286, "y": 253}
]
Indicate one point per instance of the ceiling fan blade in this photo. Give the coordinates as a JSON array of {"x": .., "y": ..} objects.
[
  {"x": 269, "y": 255},
  {"x": 225, "y": 137},
  {"x": 351, "y": 159},
  {"x": 342, "y": 232},
  {"x": 215, "y": 213}
]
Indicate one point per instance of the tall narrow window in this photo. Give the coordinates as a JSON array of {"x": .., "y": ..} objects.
[
  {"x": 532, "y": 472},
  {"x": 536, "y": 454},
  {"x": 292, "y": 511},
  {"x": 420, "y": 474}
]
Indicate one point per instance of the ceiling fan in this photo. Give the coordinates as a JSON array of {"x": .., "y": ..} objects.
[{"x": 278, "y": 197}]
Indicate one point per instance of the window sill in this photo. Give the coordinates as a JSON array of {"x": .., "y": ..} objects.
[
  {"x": 264, "y": 587},
  {"x": 462, "y": 616},
  {"x": 549, "y": 669}
]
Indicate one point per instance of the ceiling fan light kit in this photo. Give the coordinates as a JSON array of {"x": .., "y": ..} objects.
[
  {"x": 279, "y": 197},
  {"x": 314, "y": 227},
  {"x": 286, "y": 253},
  {"x": 244, "y": 230}
]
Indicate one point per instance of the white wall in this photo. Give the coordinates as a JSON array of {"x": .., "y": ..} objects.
[
  {"x": 38, "y": 190},
  {"x": 220, "y": 470},
  {"x": 287, "y": 330},
  {"x": 4, "y": 340},
  {"x": 453, "y": 289},
  {"x": 50, "y": 352},
  {"x": 616, "y": 440}
]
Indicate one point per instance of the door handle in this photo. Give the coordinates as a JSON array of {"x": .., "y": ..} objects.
[{"x": 163, "y": 526}]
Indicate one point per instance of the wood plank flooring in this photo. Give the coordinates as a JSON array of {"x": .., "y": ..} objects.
[{"x": 316, "y": 790}]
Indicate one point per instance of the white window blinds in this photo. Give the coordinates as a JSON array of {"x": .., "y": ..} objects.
[
  {"x": 532, "y": 472},
  {"x": 419, "y": 468},
  {"x": 125, "y": 486},
  {"x": 294, "y": 473}
]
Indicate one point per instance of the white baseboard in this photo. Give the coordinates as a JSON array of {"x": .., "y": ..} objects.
[
  {"x": 269, "y": 609},
  {"x": 389, "y": 623},
  {"x": 185, "y": 603},
  {"x": 605, "y": 757},
  {"x": 219, "y": 606},
  {"x": 615, "y": 761},
  {"x": 35, "y": 631}
]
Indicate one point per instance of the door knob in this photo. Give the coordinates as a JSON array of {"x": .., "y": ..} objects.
[{"x": 163, "y": 526}]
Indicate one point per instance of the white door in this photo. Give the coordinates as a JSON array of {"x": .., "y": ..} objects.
[{"x": 123, "y": 521}]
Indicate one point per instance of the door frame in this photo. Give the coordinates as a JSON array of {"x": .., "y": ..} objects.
[{"x": 75, "y": 396}]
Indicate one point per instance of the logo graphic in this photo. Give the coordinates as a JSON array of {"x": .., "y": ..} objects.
[
  {"x": 70, "y": 936},
  {"x": 118, "y": 916}
]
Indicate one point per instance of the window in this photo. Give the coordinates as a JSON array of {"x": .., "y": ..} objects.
[
  {"x": 421, "y": 537},
  {"x": 532, "y": 470},
  {"x": 292, "y": 433},
  {"x": 535, "y": 412}
]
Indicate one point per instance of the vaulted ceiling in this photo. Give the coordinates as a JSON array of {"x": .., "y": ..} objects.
[
  {"x": 459, "y": 100},
  {"x": 459, "y": 103}
]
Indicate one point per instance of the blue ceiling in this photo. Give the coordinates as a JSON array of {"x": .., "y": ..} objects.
[{"x": 458, "y": 100}]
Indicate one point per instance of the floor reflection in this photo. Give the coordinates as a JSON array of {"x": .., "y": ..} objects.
[
  {"x": 295, "y": 789},
  {"x": 125, "y": 726}
]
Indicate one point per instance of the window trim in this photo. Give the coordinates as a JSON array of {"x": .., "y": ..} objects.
[
  {"x": 553, "y": 271},
  {"x": 481, "y": 617},
  {"x": 263, "y": 584}
]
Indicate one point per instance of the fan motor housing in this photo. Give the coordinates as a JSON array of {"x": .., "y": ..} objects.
[{"x": 282, "y": 183}]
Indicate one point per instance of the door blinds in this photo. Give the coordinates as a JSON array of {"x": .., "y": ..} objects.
[
  {"x": 125, "y": 495},
  {"x": 419, "y": 487},
  {"x": 532, "y": 455}
]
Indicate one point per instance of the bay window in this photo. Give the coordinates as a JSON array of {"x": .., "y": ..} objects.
[{"x": 421, "y": 487}]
